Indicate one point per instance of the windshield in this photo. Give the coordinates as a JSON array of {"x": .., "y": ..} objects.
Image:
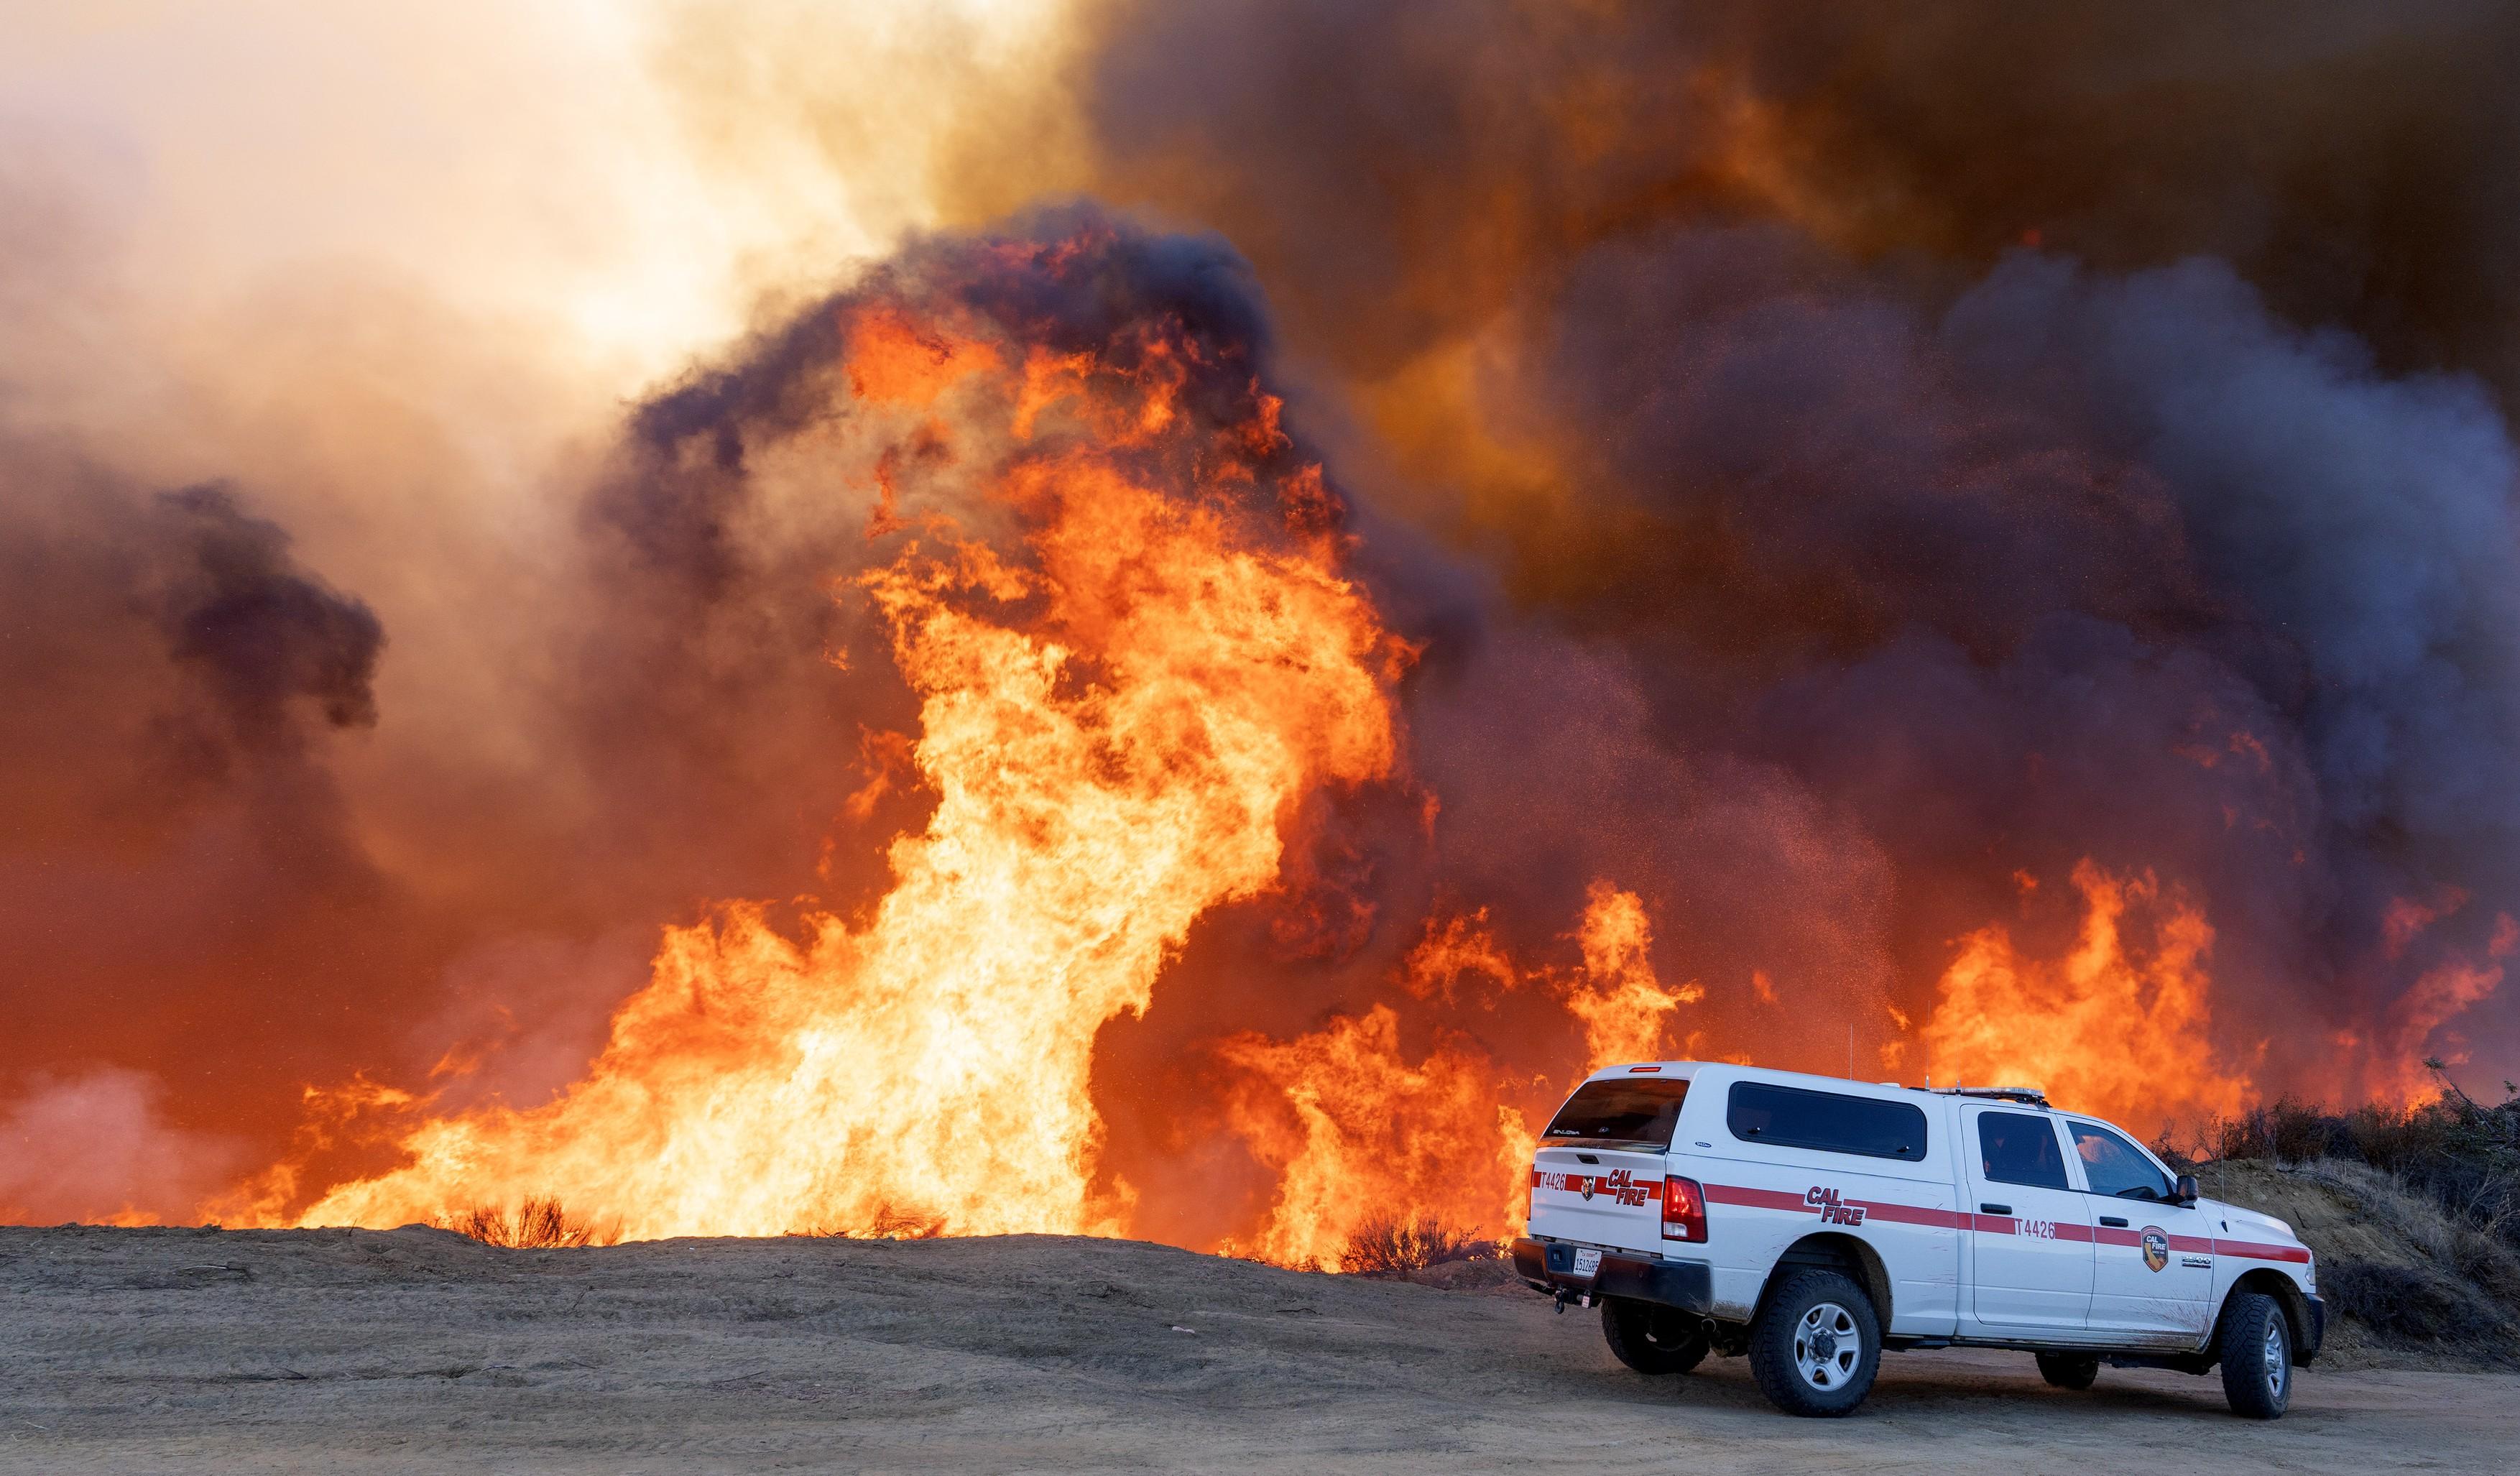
[{"x": 1629, "y": 1109}]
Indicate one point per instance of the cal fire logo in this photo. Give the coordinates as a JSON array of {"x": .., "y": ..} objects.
[
  {"x": 2156, "y": 1247},
  {"x": 1833, "y": 1210}
]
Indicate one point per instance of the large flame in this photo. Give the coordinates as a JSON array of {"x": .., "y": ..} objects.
[
  {"x": 1119, "y": 707},
  {"x": 1357, "y": 1133},
  {"x": 2110, "y": 1029},
  {"x": 1624, "y": 1007},
  {"x": 1118, "y": 597}
]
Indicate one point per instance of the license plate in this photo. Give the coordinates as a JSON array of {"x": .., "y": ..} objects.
[{"x": 1588, "y": 1263}]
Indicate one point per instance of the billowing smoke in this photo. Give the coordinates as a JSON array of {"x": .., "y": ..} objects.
[
  {"x": 1398, "y": 172},
  {"x": 2072, "y": 566},
  {"x": 180, "y": 865},
  {"x": 2008, "y": 439},
  {"x": 1877, "y": 485}
]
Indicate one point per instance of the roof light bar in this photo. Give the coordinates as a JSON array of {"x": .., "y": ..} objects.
[{"x": 2001, "y": 1093}]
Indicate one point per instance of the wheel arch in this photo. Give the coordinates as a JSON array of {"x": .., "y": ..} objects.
[
  {"x": 1833, "y": 1251},
  {"x": 2288, "y": 1295}
]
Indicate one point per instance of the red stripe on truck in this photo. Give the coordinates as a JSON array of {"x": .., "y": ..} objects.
[
  {"x": 1601, "y": 1184},
  {"x": 2110, "y": 1235},
  {"x": 2025, "y": 1224},
  {"x": 1759, "y": 1199},
  {"x": 1893, "y": 1212},
  {"x": 1873, "y": 1209},
  {"x": 2260, "y": 1251},
  {"x": 1912, "y": 1214}
]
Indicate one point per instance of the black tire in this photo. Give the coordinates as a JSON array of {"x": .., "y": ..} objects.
[
  {"x": 1799, "y": 1350},
  {"x": 1652, "y": 1339},
  {"x": 2255, "y": 1349},
  {"x": 2069, "y": 1370}
]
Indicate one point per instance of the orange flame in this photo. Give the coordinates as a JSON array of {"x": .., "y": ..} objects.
[
  {"x": 1454, "y": 949},
  {"x": 1115, "y": 725},
  {"x": 2106, "y": 1029},
  {"x": 894, "y": 359},
  {"x": 2396, "y": 1070},
  {"x": 1354, "y": 1133},
  {"x": 1624, "y": 1007},
  {"x": 1358, "y": 1133},
  {"x": 1123, "y": 613}
]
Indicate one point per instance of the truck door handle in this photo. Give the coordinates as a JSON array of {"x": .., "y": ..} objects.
[
  {"x": 2113, "y": 1222},
  {"x": 1995, "y": 1209}
]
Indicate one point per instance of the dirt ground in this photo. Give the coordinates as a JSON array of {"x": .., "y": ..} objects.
[{"x": 415, "y": 1349}]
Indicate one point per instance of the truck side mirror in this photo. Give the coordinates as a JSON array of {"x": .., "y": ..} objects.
[{"x": 2187, "y": 1192}]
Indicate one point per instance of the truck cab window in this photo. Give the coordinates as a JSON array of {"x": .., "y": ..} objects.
[
  {"x": 2017, "y": 1147},
  {"x": 1826, "y": 1121},
  {"x": 2113, "y": 1166}
]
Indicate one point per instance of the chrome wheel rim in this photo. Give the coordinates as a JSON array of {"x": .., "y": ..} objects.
[
  {"x": 2277, "y": 1357},
  {"x": 1827, "y": 1347}
]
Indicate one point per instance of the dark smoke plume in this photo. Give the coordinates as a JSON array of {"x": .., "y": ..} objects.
[
  {"x": 2018, "y": 436},
  {"x": 1397, "y": 170},
  {"x": 175, "y": 854}
]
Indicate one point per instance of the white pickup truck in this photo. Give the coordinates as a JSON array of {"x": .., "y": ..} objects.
[{"x": 1811, "y": 1222}]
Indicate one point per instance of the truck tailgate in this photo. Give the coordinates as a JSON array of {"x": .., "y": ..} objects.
[{"x": 1600, "y": 1196}]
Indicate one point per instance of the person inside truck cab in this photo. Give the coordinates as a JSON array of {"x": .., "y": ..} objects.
[{"x": 2017, "y": 1147}]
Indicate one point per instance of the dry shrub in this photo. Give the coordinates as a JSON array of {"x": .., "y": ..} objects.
[
  {"x": 2453, "y": 1241},
  {"x": 892, "y": 1224},
  {"x": 888, "y": 1224},
  {"x": 1386, "y": 1246},
  {"x": 2406, "y": 1300},
  {"x": 2286, "y": 1129},
  {"x": 537, "y": 1225},
  {"x": 2463, "y": 1154}
]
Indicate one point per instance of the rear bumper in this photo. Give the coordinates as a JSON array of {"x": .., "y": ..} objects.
[{"x": 1549, "y": 1266}]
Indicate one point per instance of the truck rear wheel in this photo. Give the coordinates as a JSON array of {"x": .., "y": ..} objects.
[
  {"x": 1816, "y": 1345},
  {"x": 1652, "y": 1339},
  {"x": 2256, "y": 1353},
  {"x": 2069, "y": 1370}
]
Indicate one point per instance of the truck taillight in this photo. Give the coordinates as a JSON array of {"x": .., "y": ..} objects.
[{"x": 1683, "y": 1209}]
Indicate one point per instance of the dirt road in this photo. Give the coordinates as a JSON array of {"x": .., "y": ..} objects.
[{"x": 144, "y": 1351}]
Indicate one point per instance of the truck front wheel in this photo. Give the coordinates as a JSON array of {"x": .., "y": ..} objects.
[
  {"x": 1816, "y": 1345},
  {"x": 1652, "y": 1339},
  {"x": 2256, "y": 1353}
]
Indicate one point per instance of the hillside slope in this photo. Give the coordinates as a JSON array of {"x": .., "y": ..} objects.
[{"x": 2406, "y": 1286}]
